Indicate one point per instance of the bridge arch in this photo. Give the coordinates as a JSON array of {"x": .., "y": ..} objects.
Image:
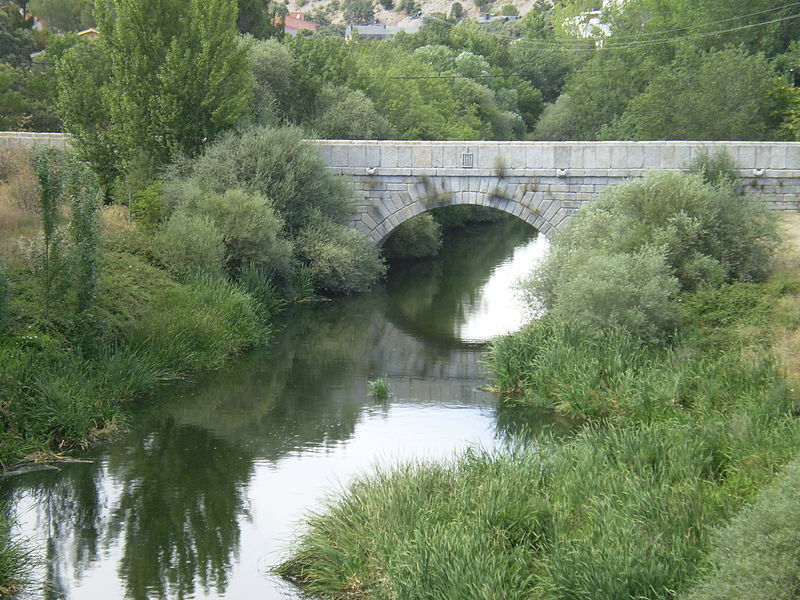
[{"x": 396, "y": 206}]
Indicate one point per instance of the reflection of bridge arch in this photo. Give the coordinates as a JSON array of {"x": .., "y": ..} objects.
[{"x": 542, "y": 183}]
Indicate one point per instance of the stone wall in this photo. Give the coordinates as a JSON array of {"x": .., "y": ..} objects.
[
  {"x": 543, "y": 183},
  {"x": 26, "y": 139}
]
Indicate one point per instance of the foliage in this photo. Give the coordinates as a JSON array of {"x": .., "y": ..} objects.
[
  {"x": 706, "y": 234},
  {"x": 634, "y": 291},
  {"x": 85, "y": 248},
  {"x": 190, "y": 245},
  {"x": 419, "y": 237},
  {"x": 718, "y": 95},
  {"x": 718, "y": 168},
  {"x": 271, "y": 65},
  {"x": 50, "y": 259},
  {"x": 276, "y": 164},
  {"x": 15, "y": 559},
  {"x": 359, "y": 12},
  {"x": 257, "y": 17},
  {"x": 162, "y": 81},
  {"x": 252, "y": 231},
  {"x": 147, "y": 205},
  {"x": 756, "y": 555},
  {"x": 341, "y": 259},
  {"x": 379, "y": 388},
  {"x": 616, "y": 512},
  {"x": 344, "y": 114},
  {"x": 82, "y": 73},
  {"x": 456, "y": 10},
  {"x": 16, "y": 39}
]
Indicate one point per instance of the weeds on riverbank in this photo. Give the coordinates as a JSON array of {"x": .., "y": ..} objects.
[
  {"x": 85, "y": 327},
  {"x": 685, "y": 418}
]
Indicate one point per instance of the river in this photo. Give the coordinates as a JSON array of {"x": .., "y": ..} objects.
[{"x": 203, "y": 494}]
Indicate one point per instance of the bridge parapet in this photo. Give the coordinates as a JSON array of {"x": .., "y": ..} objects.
[{"x": 542, "y": 183}]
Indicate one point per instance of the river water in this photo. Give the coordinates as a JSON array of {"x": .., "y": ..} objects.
[{"x": 203, "y": 495}]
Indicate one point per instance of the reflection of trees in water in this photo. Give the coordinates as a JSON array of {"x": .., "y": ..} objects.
[
  {"x": 172, "y": 502},
  {"x": 429, "y": 298},
  {"x": 182, "y": 495},
  {"x": 68, "y": 504}
]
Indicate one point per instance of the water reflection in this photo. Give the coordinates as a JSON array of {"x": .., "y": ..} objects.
[{"x": 201, "y": 497}]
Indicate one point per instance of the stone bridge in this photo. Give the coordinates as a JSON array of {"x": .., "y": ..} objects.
[{"x": 542, "y": 183}]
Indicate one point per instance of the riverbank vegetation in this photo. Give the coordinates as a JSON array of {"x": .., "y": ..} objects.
[{"x": 669, "y": 337}]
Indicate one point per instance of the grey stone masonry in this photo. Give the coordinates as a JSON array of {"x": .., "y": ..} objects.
[
  {"x": 542, "y": 183},
  {"x": 27, "y": 139}
]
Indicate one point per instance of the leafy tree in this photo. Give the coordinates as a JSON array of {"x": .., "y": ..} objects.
[
  {"x": 83, "y": 73},
  {"x": 358, "y": 12},
  {"x": 456, "y": 11},
  {"x": 16, "y": 39},
  {"x": 713, "y": 95},
  {"x": 271, "y": 64},
  {"x": 13, "y": 104},
  {"x": 179, "y": 77},
  {"x": 343, "y": 113},
  {"x": 509, "y": 10}
]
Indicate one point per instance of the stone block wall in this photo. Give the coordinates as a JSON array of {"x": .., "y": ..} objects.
[{"x": 541, "y": 182}]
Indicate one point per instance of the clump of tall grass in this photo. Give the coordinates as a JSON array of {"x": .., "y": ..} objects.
[
  {"x": 379, "y": 388},
  {"x": 15, "y": 561},
  {"x": 197, "y": 325}
]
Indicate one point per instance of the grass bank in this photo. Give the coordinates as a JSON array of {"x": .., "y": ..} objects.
[
  {"x": 685, "y": 385},
  {"x": 91, "y": 319}
]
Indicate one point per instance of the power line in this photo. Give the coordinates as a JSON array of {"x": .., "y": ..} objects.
[
  {"x": 608, "y": 43},
  {"x": 707, "y": 23}
]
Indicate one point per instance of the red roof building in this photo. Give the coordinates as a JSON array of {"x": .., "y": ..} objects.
[{"x": 294, "y": 22}]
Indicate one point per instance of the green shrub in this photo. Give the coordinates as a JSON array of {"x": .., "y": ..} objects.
[
  {"x": 707, "y": 234},
  {"x": 252, "y": 231},
  {"x": 635, "y": 292},
  {"x": 147, "y": 205},
  {"x": 758, "y": 554},
  {"x": 419, "y": 237},
  {"x": 345, "y": 114},
  {"x": 718, "y": 168},
  {"x": 191, "y": 245},
  {"x": 276, "y": 164},
  {"x": 341, "y": 259},
  {"x": 84, "y": 252}
]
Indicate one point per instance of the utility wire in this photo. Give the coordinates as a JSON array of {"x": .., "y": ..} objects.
[{"x": 608, "y": 43}]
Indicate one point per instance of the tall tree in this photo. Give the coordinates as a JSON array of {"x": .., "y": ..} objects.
[{"x": 177, "y": 77}]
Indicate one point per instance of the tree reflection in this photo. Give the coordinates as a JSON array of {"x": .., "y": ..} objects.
[{"x": 182, "y": 495}]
